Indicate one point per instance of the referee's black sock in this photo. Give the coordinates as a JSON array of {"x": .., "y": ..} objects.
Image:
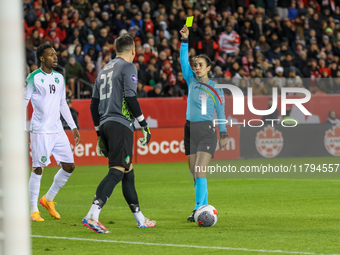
[{"x": 106, "y": 186}]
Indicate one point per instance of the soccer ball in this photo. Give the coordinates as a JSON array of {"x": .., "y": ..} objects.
[{"x": 206, "y": 216}]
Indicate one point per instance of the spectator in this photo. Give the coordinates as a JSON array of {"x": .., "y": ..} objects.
[
  {"x": 79, "y": 54},
  {"x": 281, "y": 81},
  {"x": 273, "y": 40},
  {"x": 103, "y": 38},
  {"x": 157, "y": 91},
  {"x": 137, "y": 23},
  {"x": 292, "y": 11},
  {"x": 244, "y": 86},
  {"x": 82, "y": 7},
  {"x": 91, "y": 43},
  {"x": 315, "y": 24},
  {"x": 148, "y": 24},
  {"x": 41, "y": 31},
  {"x": 152, "y": 75},
  {"x": 302, "y": 10},
  {"x": 259, "y": 26},
  {"x": 218, "y": 73},
  {"x": 163, "y": 30},
  {"x": 94, "y": 30},
  {"x": 182, "y": 83},
  {"x": 258, "y": 87},
  {"x": 166, "y": 68},
  {"x": 247, "y": 30},
  {"x": 63, "y": 58},
  {"x": 229, "y": 40},
  {"x": 262, "y": 44},
  {"x": 73, "y": 71},
  {"x": 141, "y": 92},
  {"x": 74, "y": 114},
  {"x": 325, "y": 84},
  {"x": 207, "y": 46},
  {"x": 248, "y": 62},
  {"x": 60, "y": 34},
  {"x": 90, "y": 76},
  {"x": 92, "y": 17},
  {"x": 147, "y": 52},
  {"x": 221, "y": 60},
  {"x": 141, "y": 73},
  {"x": 282, "y": 8},
  {"x": 270, "y": 83},
  {"x": 332, "y": 118},
  {"x": 240, "y": 75},
  {"x": 172, "y": 89},
  {"x": 120, "y": 23},
  {"x": 161, "y": 11},
  {"x": 106, "y": 20},
  {"x": 146, "y": 8},
  {"x": 33, "y": 41},
  {"x": 274, "y": 52},
  {"x": 153, "y": 48}
]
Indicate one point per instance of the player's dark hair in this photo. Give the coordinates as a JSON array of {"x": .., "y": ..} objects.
[
  {"x": 41, "y": 49},
  {"x": 124, "y": 43},
  {"x": 207, "y": 61}
]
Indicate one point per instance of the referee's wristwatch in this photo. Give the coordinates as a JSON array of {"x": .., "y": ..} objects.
[
  {"x": 223, "y": 135},
  {"x": 185, "y": 39}
]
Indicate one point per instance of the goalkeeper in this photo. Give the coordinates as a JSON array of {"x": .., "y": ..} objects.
[{"x": 114, "y": 107}]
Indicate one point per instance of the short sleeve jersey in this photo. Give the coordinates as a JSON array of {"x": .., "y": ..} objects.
[
  {"x": 46, "y": 92},
  {"x": 114, "y": 83}
]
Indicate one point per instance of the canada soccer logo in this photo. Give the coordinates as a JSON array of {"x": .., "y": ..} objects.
[
  {"x": 269, "y": 142},
  {"x": 332, "y": 140}
]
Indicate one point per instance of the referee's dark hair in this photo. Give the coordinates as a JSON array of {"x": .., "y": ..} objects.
[
  {"x": 41, "y": 49},
  {"x": 124, "y": 43}
]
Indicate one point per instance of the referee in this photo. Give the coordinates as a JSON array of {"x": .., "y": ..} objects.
[{"x": 114, "y": 107}]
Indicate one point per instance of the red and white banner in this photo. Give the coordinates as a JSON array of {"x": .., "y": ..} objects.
[{"x": 166, "y": 145}]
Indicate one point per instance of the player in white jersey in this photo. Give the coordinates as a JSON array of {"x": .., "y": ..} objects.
[{"x": 45, "y": 89}]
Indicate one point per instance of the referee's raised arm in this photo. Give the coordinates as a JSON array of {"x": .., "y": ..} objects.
[{"x": 184, "y": 55}]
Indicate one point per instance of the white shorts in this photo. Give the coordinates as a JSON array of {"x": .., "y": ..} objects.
[{"x": 44, "y": 145}]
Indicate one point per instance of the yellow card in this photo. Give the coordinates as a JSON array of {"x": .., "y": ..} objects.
[{"x": 189, "y": 21}]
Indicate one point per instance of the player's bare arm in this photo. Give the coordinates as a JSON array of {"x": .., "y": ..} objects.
[{"x": 76, "y": 136}]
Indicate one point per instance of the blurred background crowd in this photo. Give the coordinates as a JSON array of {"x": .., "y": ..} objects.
[{"x": 253, "y": 43}]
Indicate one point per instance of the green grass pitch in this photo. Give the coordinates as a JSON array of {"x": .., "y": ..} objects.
[{"x": 256, "y": 216}]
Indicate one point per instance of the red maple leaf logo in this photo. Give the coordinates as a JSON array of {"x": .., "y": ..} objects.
[
  {"x": 271, "y": 148},
  {"x": 269, "y": 133},
  {"x": 334, "y": 132},
  {"x": 332, "y": 140}
]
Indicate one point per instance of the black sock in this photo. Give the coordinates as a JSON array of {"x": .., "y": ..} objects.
[
  {"x": 106, "y": 186},
  {"x": 129, "y": 190}
]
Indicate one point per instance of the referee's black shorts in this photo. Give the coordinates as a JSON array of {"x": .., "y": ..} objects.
[
  {"x": 199, "y": 136},
  {"x": 118, "y": 140}
]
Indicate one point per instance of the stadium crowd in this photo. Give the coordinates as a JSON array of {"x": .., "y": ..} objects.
[{"x": 291, "y": 44}]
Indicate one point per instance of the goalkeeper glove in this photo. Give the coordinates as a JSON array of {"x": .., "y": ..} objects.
[
  {"x": 101, "y": 150},
  {"x": 146, "y": 135}
]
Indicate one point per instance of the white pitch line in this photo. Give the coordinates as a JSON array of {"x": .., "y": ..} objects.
[
  {"x": 210, "y": 179},
  {"x": 180, "y": 245}
]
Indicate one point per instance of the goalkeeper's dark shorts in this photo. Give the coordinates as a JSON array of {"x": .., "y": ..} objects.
[
  {"x": 118, "y": 141},
  {"x": 199, "y": 136}
]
